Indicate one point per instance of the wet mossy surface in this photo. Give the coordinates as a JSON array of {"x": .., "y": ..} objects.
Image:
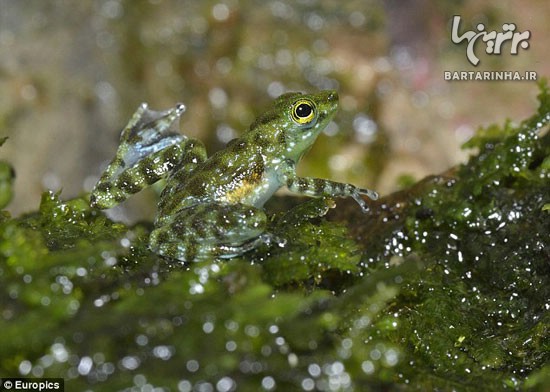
[{"x": 442, "y": 286}]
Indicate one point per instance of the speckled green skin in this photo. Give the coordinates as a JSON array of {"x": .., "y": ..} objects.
[{"x": 213, "y": 207}]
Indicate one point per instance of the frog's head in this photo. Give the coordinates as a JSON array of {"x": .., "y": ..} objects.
[
  {"x": 305, "y": 116},
  {"x": 296, "y": 120}
]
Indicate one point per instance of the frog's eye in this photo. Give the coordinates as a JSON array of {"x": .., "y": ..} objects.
[{"x": 303, "y": 112}]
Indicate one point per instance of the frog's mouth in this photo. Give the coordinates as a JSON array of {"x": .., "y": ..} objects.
[{"x": 323, "y": 118}]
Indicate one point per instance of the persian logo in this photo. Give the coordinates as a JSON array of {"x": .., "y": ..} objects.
[{"x": 493, "y": 40}]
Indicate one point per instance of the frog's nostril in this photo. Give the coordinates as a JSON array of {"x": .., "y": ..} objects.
[{"x": 333, "y": 96}]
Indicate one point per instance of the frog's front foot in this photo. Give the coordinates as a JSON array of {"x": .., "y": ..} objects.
[
  {"x": 271, "y": 239},
  {"x": 356, "y": 195}
]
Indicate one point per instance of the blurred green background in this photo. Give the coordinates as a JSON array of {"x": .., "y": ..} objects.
[{"x": 72, "y": 73}]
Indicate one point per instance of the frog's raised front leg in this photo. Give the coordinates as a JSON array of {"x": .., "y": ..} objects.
[
  {"x": 317, "y": 187},
  {"x": 150, "y": 147},
  {"x": 211, "y": 230}
]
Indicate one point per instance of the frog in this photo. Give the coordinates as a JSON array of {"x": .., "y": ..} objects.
[{"x": 212, "y": 207}]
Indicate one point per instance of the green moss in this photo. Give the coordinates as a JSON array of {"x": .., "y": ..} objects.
[
  {"x": 444, "y": 285},
  {"x": 7, "y": 175},
  {"x": 316, "y": 252}
]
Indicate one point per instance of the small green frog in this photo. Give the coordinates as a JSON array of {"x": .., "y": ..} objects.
[{"x": 212, "y": 207}]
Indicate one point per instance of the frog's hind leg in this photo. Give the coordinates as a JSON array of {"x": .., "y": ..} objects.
[
  {"x": 194, "y": 154},
  {"x": 211, "y": 230}
]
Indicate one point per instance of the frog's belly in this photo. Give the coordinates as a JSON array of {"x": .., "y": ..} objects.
[{"x": 254, "y": 193}]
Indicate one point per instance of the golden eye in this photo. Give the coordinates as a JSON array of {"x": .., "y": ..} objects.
[{"x": 303, "y": 112}]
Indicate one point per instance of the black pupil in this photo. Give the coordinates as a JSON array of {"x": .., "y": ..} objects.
[{"x": 303, "y": 110}]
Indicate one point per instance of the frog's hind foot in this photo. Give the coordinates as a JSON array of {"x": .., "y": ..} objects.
[
  {"x": 229, "y": 251},
  {"x": 150, "y": 146},
  {"x": 189, "y": 252}
]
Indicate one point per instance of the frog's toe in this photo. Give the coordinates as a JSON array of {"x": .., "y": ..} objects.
[
  {"x": 270, "y": 239},
  {"x": 369, "y": 192},
  {"x": 362, "y": 203},
  {"x": 229, "y": 251}
]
